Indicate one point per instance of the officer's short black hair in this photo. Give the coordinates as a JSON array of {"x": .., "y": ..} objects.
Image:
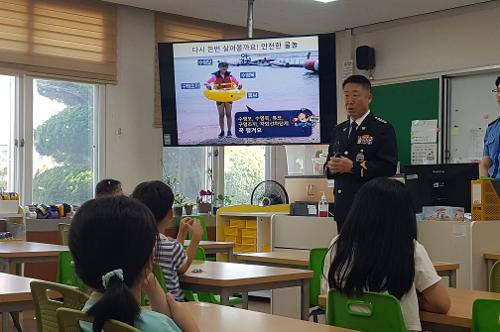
[
  {"x": 358, "y": 79},
  {"x": 497, "y": 82}
]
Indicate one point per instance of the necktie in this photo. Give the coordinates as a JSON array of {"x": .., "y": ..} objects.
[{"x": 352, "y": 130}]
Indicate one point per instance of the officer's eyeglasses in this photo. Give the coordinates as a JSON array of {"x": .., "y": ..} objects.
[{"x": 495, "y": 90}]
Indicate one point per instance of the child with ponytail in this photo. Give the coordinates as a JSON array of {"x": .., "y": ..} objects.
[{"x": 112, "y": 240}]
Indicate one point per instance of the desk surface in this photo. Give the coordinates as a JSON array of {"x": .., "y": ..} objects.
[
  {"x": 14, "y": 288},
  {"x": 21, "y": 249},
  {"x": 492, "y": 255},
  {"x": 301, "y": 258},
  {"x": 460, "y": 313},
  {"x": 445, "y": 266},
  {"x": 211, "y": 317},
  {"x": 289, "y": 257},
  {"x": 224, "y": 274},
  {"x": 212, "y": 244}
]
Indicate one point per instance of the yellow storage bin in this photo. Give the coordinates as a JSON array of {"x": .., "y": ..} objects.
[
  {"x": 248, "y": 232},
  {"x": 248, "y": 248},
  {"x": 249, "y": 240},
  {"x": 251, "y": 224},
  {"x": 485, "y": 201},
  {"x": 230, "y": 238},
  {"x": 237, "y": 248},
  {"x": 232, "y": 231},
  {"x": 237, "y": 223}
]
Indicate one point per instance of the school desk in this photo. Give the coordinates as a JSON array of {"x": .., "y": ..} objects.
[
  {"x": 213, "y": 247},
  {"x": 229, "y": 278},
  {"x": 212, "y": 317},
  {"x": 300, "y": 259},
  {"x": 15, "y": 253},
  {"x": 15, "y": 296}
]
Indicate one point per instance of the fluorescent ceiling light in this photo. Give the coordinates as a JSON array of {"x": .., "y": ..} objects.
[{"x": 325, "y": 0}]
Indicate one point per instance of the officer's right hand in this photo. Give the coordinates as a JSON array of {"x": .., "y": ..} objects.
[{"x": 329, "y": 165}]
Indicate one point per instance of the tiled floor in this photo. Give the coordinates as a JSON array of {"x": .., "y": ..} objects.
[{"x": 29, "y": 321}]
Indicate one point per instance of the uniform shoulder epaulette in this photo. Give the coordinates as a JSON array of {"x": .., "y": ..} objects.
[
  {"x": 493, "y": 122},
  {"x": 343, "y": 123},
  {"x": 380, "y": 119}
]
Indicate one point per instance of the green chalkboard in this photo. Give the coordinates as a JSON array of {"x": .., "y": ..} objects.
[{"x": 402, "y": 103}]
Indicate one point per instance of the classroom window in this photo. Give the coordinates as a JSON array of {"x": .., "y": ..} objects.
[
  {"x": 7, "y": 135},
  {"x": 244, "y": 168},
  {"x": 188, "y": 167},
  {"x": 63, "y": 141}
]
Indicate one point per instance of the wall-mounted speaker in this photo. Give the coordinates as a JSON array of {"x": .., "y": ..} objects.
[{"x": 365, "y": 57}]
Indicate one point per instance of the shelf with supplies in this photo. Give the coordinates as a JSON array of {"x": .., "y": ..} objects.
[{"x": 248, "y": 226}]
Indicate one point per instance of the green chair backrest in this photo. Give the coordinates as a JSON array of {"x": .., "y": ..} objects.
[
  {"x": 486, "y": 315},
  {"x": 189, "y": 295},
  {"x": 316, "y": 261},
  {"x": 45, "y": 306},
  {"x": 495, "y": 278},
  {"x": 370, "y": 312},
  {"x": 203, "y": 223},
  {"x": 66, "y": 271},
  {"x": 158, "y": 272},
  {"x": 69, "y": 321},
  {"x": 63, "y": 233}
]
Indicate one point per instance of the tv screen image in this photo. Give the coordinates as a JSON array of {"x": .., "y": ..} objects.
[{"x": 268, "y": 88}]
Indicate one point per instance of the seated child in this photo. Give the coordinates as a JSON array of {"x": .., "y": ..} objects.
[
  {"x": 112, "y": 241},
  {"x": 108, "y": 187},
  {"x": 170, "y": 254},
  {"x": 377, "y": 251}
]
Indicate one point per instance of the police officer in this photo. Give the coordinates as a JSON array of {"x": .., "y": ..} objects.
[
  {"x": 362, "y": 148},
  {"x": 490, "y": 164}
]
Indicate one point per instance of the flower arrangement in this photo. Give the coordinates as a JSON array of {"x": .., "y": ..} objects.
[{"x": 205, "y": 196}]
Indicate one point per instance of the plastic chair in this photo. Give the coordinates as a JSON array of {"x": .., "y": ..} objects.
[
  {"x": 316, "y": 261},
  {"x": 66, "y": 271},
  {"x": 63, "y": 233},
  {"x": 370, "y": 312},
  {"x": 495, "y": 278},
  {"x": 45, "y": 307},
  {"x": 69, "y": 321},
  {"x": 204, "y": 236},
  {"x": 486, "y": 315}
]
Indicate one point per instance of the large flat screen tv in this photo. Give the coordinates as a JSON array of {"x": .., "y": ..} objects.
[{"x": 259, "y": 91}]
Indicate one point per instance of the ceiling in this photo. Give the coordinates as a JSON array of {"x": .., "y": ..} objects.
[{"x": 300, "y": 16}]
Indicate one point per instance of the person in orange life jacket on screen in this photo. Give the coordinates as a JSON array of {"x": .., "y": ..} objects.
[{"x": 222, "y": 79}]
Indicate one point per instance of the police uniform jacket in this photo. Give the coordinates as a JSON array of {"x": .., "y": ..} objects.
[{"x": 373, "y": 150}]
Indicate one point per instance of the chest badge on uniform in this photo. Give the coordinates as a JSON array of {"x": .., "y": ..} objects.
[
  {"x": 365, "y": 139},
  {"x": 360, "y": 157}
]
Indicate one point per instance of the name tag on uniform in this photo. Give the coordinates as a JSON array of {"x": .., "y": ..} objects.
[{"x": 365, "y": 139}]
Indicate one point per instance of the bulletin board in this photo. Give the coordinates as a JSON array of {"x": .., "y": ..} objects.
[{"x": 401, "y": 103}]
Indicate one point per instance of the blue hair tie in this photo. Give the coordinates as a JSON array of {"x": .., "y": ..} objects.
[{"x": 107, "y": 277}]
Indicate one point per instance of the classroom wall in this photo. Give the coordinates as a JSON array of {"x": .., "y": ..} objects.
[
  {"x": 427, "y": 46},
  {"x": 408, "y": 49},
  {"x": 133, "y": 147}
]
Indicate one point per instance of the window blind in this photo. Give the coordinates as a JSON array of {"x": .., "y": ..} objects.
[{"x": 63, "y": 38}]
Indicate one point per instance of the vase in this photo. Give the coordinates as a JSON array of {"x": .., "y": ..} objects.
[
  {"x": 204, "y": 207},
  {"x": 177, "y": 211},
  {"x": 188, "y": 209}
]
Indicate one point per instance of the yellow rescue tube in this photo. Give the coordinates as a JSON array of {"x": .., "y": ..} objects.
[{"x": 225, "y": 95}]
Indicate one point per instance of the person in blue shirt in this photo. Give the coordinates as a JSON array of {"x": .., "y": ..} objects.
[{"x": 490, "y": 164}]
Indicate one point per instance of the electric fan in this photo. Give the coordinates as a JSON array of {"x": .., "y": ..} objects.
[{"x": 269, "y": 192}]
